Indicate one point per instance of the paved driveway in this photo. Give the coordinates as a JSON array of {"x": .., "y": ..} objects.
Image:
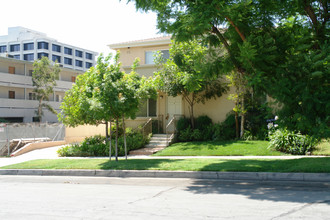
[{"x": 47, "y": 153}]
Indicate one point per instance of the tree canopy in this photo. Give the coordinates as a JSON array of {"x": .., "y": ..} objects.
[
  {"x": 280, "y": 47},
  {"x": 187, "y": 73},
  {"x": 44, "y": 78},
  {"x": 103, "y": 93}
]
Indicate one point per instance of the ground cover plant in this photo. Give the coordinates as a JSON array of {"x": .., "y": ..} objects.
[
  {"x": 97, "y": 146},
  {"x": 219, "y": 148},
  {"x": 305, "y": 165}
]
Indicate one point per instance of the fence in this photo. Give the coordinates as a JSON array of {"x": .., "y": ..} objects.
[{"x": 12, "y": 131}]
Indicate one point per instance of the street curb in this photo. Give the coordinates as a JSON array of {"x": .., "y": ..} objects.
[{"x": 257, "y": 176}]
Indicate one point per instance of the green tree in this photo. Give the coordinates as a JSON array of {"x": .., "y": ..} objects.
[
  {"x": 188, "y": 73},
  {"x": 104, "y": 94},
  {"x": 280, "y": 47},
  {"x": 44, "y": 77}
]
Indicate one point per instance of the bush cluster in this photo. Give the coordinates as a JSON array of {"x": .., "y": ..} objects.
[
  {"x": 205, "y": 130},
  {"x": 291, "y": 142},
  {"x": 96, "y": 146}
]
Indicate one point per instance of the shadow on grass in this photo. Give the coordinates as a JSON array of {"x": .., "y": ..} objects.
[
  {"x": 212, "y": 145},
  {"x": 309, "y": 165}
]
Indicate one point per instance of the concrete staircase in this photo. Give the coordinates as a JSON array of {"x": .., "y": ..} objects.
[{"x": 157, "y": 142}]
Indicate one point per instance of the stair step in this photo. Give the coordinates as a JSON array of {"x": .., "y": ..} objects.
[
  {"x": 157, "y": 142},
  {"x": 155, "y": 146}
]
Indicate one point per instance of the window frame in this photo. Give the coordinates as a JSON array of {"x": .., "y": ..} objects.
[
  {"x": 43, "y": 45},
  {"x": 148, "y": 109},
  {"x": 28, "y": 46},
  {"x": 54, "y": 46}
]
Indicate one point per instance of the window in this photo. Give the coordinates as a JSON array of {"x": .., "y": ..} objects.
[
  {"x": 88, "y": 65},
  {"x": 11, "y": 70},
  {"x": 89, "y": 56},
  {"x": 15, "y": 47},
  {"x": 58, "y": 98},
  {"x": 68, "y": 51},
  {"x": 29, "y": 57},
  {"x": 147, "y": 108},
  {"x": 17, "y": 57},
  {"x": 73, "y": 79},
  {"x": 29, "y": 46},
  {"x": 79, "y": 53},
  {"x": 32, "y": 96},
  {"x": 35, "y": 119},
  {"x": 56, "y": 58},
  {"x": 79, "y": 63},
  {"x": 43, "y": 45},
  {"x": 40, "y": 55},
  {"x": 150, "y": 56},
  {"x": 3, "y": 49},
  {"x": 67, "y": 61},
  {"x": 30, "y": 72},
  {"x": 11, "y": 94},
  {"x": 56, "y": 48}
]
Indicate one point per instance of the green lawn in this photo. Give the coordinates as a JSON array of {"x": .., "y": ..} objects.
[
  {"x": 312, "y": 165},
  {"x": 322, "y": 148},
  {"x": 219, "y": 148}
]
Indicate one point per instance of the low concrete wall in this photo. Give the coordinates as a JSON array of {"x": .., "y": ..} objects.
[
  {"x": 79, "y": 133},
  {"x": 36, "y": 146}
]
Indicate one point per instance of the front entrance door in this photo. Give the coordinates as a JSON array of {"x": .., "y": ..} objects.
[{"x": 174, "y": 107}]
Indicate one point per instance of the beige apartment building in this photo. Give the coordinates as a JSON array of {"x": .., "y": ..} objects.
[
  {"x": 17, "y": 100},
  {"x": 165, "y": 107}
]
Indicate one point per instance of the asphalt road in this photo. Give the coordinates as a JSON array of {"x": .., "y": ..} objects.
[{"x": 50, "y": 197}]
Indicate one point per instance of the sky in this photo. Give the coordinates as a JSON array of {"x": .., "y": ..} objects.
[{"x": 89, "y": 24}]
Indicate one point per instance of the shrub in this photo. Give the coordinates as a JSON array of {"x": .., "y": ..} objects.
[
  {"x": 196, "y": 135},
  {"x": 182, "y": 124},
  {"x": 202, "y": 122},
  {"x": 225, "y": 130},
  {"x": 291, "y": 142},
  {"x": 185, "y": 135},
  {"x": 96, "y": 146}
]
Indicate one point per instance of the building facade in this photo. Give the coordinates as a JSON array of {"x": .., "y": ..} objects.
[
  {"x": 18, "y": 50},
  {"x": 165, "y": 107},
  {"x": 25, "y": 44}
]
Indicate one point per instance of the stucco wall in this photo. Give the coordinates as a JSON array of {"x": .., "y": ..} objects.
[
  {"x": 128, "y": 55},
  {"x": 216, "y": 109}
]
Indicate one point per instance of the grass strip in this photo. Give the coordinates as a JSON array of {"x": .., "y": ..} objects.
[
  {"x": 220, "y": 148},
  {"x": 306, "y": 165}
]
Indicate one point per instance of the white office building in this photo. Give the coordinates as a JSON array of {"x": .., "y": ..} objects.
[
  {"x": 25, "y": 44},
  {"x": 18, "y": 50}
]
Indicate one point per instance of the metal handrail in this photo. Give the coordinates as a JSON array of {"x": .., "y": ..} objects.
[
  {"x": 147, "y": 127},
  {"x": 172, "y": 121}
]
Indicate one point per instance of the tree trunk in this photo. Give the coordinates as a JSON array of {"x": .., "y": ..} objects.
[
  {"x": 242, "y": 119},
  {"x": 236, "y": 125},
  {"x": 106, "y": 132},
  {"x": 110, "y": 141},
  {"x": 40, "y": 110},
  {"x": 117, "y": 128},
  {"x": 124, "y": 132}
]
